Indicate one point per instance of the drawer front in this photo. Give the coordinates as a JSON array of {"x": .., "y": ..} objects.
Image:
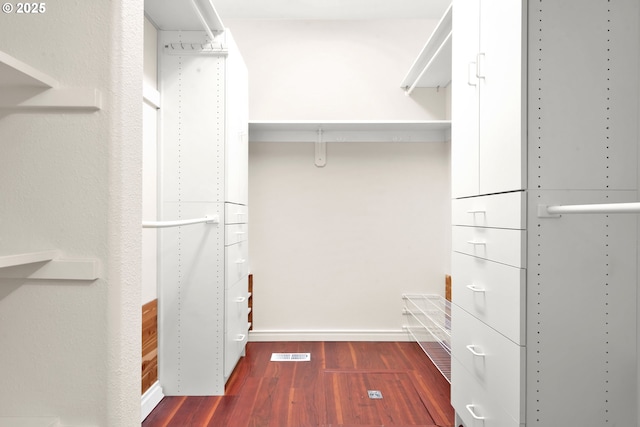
[
  {"x": 494, "y": 293},
  {"x": 236, "y": 324},
  {"x": 506, "y": 210},
  {"x": 493, "y": 360},
  {"x": 470, "y": 400},
  {"x": 495, "y": 244},
  {"x": 235, "y": 233},
  {"x": 237, "y": 308},
  {"x": 235, "y": 214},
  {"x": 237, "y": 262}
]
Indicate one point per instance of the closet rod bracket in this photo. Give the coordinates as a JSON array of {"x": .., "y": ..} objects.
[
  {"x": 543, "y": 212},
  {"x": 320, "y": 150}
]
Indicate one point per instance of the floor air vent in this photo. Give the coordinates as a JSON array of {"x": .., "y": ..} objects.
[{"x": 290, "y": 357}]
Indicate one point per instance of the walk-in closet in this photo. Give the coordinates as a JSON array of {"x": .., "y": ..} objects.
[{"x": 319, "y": 213}]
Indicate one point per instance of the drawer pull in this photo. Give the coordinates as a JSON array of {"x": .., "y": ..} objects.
[
  {"x": 476, "y": 211},
  {"x": 241, "y": 261},
  {"x": 475, "y": 288},
  {"x": 241, "y": 299},
  {"x": 471, "y": 410},
  {"x": 472, "y": 349},
  {"x": 240, "y": 337},
  {"x": 476, "y": 242}
]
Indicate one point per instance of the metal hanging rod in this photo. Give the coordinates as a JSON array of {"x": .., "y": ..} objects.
[
  {"x": 209, "y": 219},
  {"x": 545, "y": 211}
]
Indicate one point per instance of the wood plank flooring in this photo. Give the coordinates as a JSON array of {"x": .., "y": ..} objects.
[{"x": 328, "y": 391}]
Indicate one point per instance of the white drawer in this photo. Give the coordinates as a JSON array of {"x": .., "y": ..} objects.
[
  {"x": 493, "y": 360},
  {"x": 237, "y": 307},
  {"x": 236, "y": 324},
  {"x": 235, "y": 233},
  {"x": 237, "y": 262},
  {"x": 235, "y": 214},
  {"x": 494, "y": 293},
  {"x": 495, "y": 244},
  {"x": 469, "y": 399},
  {"x": 505, "y": 210}
]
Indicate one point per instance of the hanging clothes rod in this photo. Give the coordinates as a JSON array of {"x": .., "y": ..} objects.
[
  {"x": 545, "y": 211},
  {"x": 209, "y": 219}
]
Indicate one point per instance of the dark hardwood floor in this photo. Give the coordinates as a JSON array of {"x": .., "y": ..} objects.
[{"x": 330, "y": 390}]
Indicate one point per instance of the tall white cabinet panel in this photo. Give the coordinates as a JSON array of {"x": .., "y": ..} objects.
[
  {"x": 559, "y": 295},
  {"x": 202, "y": 295}
]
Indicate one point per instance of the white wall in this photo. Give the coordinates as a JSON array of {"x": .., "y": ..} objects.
[
  {"x": 335, "y": 70},
  {"x": 150, "y": 168},
  {"x": 72, "y": 181},
  {"x": 333, "y": 248}
]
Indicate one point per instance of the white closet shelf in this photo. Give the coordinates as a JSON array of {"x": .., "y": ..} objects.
[
  {"x": 47, "y": 265},
  {"x": 432, "y": 67},
  {"x": 16, "y": 73},
  {"x": 349, "y": 131},
  {"x": 24, "y": 87}
]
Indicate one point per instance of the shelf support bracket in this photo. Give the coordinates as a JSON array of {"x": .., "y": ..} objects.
[{"x": 321, "y": 150}]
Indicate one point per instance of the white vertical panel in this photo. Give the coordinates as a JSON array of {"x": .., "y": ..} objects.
[
  {"x": 191, "y": 298},
  {"x": 581, "y": 329},
  {"x": 191, "y": 304},
  {"x": 584, "y": 95},
  {"x": 193, "y": 131}
]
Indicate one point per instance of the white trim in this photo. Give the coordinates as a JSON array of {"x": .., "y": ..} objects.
[
  {"x": 151, "y": 96},
  {"x": 328, "y": 335},
  {"x": 150, "y": 399}
]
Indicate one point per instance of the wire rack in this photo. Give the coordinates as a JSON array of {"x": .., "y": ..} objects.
[{"x": 429, "y": 323}]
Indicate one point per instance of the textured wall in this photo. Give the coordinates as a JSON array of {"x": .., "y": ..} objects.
[{"x": 72, "y": 181}]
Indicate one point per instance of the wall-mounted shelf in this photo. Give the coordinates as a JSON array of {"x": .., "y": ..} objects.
[
  {"x": 432, "y": 67},
  {"x": 23, "y": 87},
  {"x": 429, "y": 323},
  {"x": 349, "y": 131},
  {"x": 47, "y": 265}
]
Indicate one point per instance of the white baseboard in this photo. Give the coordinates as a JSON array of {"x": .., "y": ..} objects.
[
  {"x": 150, "y": 399},
  {"x": 324, "y": 335}
]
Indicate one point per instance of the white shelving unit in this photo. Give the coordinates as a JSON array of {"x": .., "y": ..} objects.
[
  {"x": 321, "y": 132},
  {"x": 432, "y": 67},
  {"x": 25, "y": 87},
  {"x": 429, "y": 323}
]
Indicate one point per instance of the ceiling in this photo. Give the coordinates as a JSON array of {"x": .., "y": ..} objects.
[{"x": 330, "y": 9}]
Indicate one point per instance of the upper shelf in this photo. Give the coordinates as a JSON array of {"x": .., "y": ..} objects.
[
  {"x": 184, "y": 15},
  {"x": 432, "y": 68},
  {"x": 24, "y": 87},
  {"x": 16, "y": 73},
  {"x": 349, "y": 131}
]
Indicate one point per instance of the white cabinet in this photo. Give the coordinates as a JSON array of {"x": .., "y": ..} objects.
[
  {"x": 203, "y": 293},
  {"x": 488, "y": 96},
  {"x": 544, "y": 328}
]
